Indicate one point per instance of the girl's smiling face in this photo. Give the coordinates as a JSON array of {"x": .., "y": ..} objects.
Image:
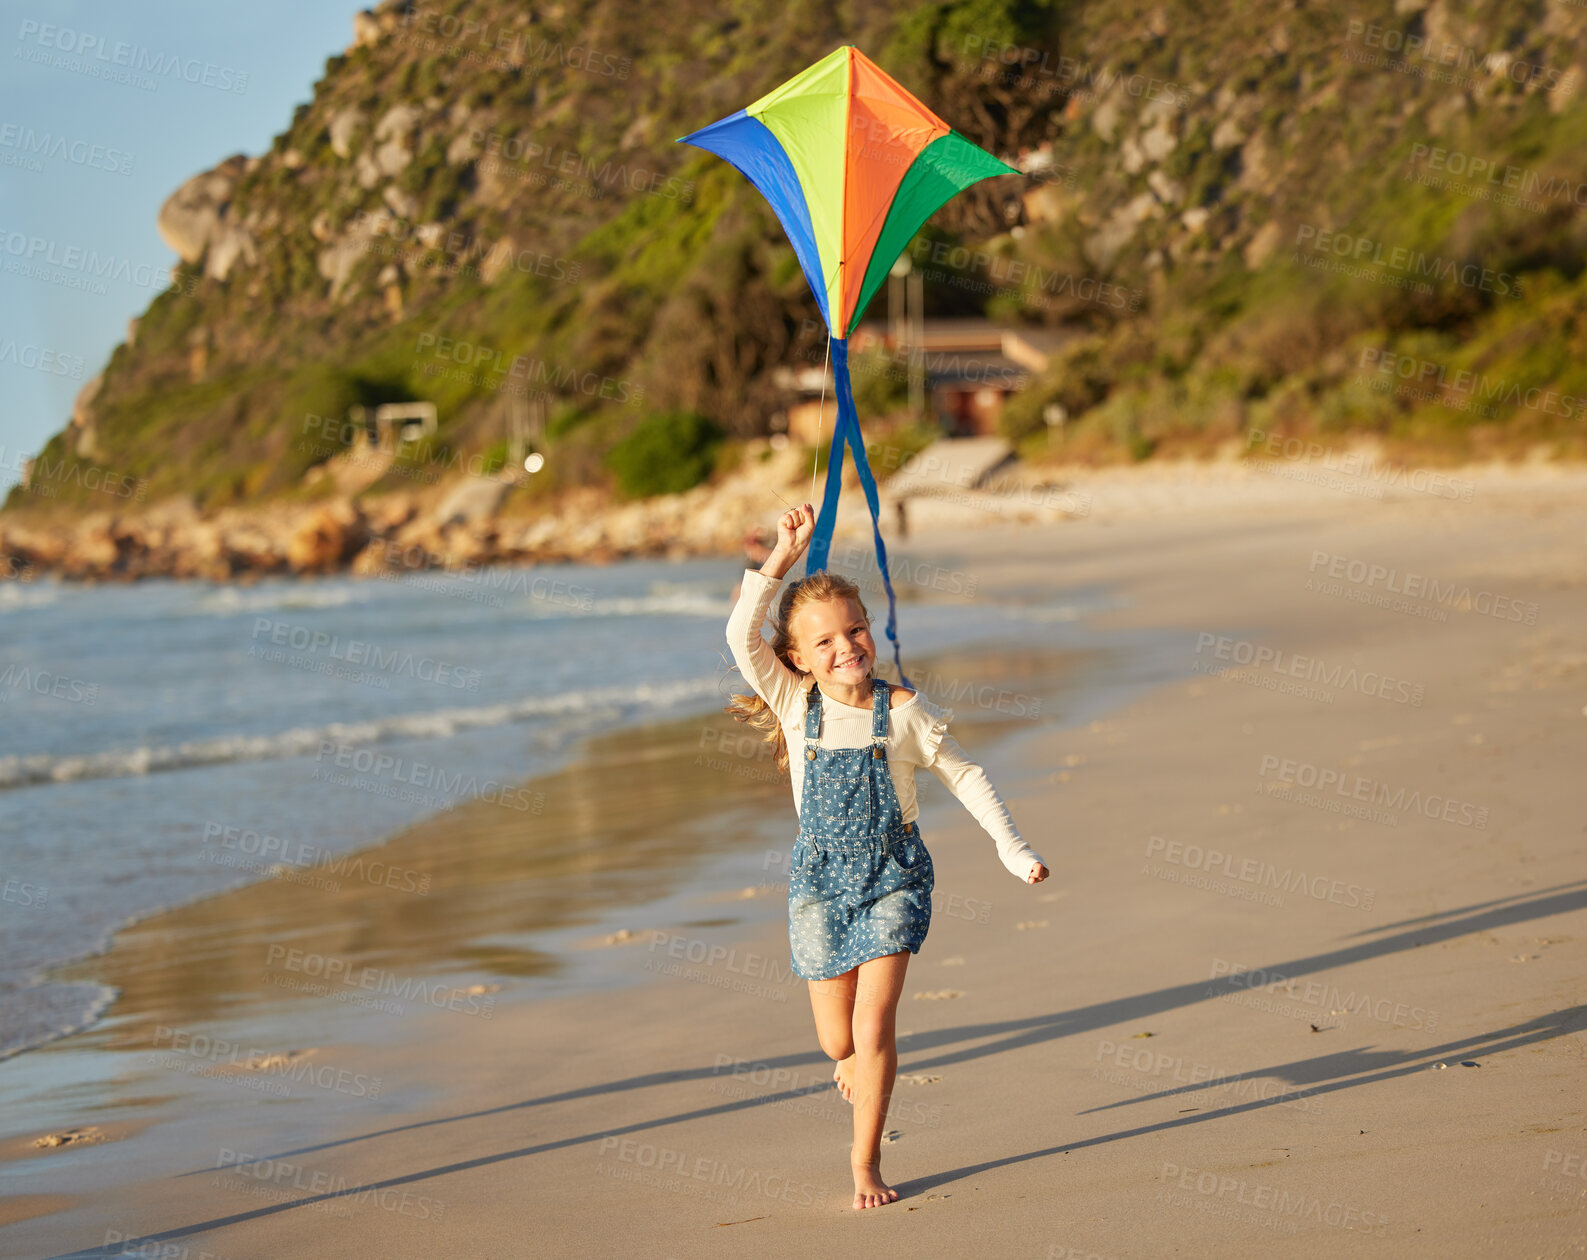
[{"x": 833, "y": 642}]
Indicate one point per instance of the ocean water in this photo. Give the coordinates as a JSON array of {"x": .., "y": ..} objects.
[{"x": 166, "y": 741}]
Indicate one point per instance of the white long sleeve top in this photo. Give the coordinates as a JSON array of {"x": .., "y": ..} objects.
[{"x": 917, "y": 730}]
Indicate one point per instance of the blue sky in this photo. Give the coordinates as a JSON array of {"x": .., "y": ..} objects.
[{"x": 110, "y": 152}]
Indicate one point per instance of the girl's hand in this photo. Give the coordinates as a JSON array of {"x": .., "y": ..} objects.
[
  {"x": 794, "y": 528},
  {"x": 1038, "y": 874}
]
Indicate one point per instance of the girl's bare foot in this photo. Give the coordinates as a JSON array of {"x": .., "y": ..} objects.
[
  {"x": 869, "y": 1188},
  {"x": 843, "y": 1074}
]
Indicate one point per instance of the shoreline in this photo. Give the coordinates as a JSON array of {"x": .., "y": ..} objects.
[
  {"x": 577, "y": 956},
  {"x": 405, "y": 535},
  {"x": 1059, "y": 990}
]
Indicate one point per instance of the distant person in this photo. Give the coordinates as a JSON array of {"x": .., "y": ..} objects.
[
  {"x": 861, "y": 878},
  {"x": 902, "y": 511}
]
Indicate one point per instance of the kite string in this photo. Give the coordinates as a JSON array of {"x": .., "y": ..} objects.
[{"x": 820, "y": 419}]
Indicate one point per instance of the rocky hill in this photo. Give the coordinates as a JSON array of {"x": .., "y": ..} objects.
[{"x": 1274, "y": 219}]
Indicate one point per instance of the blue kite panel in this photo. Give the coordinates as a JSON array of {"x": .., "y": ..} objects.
[{"x": 748, "y": 145}]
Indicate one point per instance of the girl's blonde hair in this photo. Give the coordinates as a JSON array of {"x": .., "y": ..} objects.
[{"x": 752, "y": 708}]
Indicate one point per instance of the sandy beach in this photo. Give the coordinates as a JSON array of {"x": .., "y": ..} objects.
[{"x": 1306, "y": 979}]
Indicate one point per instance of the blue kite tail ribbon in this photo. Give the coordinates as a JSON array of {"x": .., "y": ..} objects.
[{"x": 847, "y": 430}]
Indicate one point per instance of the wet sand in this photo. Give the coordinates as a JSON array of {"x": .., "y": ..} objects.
[{"x": 1329, "y": 861}]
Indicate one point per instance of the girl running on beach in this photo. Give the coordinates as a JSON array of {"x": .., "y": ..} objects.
[{"x": 859, "y": 891}]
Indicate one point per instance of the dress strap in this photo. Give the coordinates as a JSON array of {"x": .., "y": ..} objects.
[
  {"x": 879, "y": 712},
  {"x": 812, "y": 722}
]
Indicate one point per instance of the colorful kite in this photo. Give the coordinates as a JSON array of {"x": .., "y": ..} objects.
[{"x": 853, "y": 165}]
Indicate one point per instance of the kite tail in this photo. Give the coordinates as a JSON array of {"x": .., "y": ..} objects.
[{"x": 847, "y": 430}]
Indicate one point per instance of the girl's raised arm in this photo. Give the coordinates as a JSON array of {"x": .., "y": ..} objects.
[{"x": 773, "y": 681}]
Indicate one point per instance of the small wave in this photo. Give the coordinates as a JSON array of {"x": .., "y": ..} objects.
[
  {"x": 22, "y": 771},
  {"x": 14, "y": 596},
  {"x": 680, "y": 602},
  {"x": 231, "y": 600}
]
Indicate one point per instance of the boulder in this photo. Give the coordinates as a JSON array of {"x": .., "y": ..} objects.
[
  {"x": 366, "y": 29},
  {"x": 403, "y": 204},
  {"x": 191, "y": 216},
  {"x": 472, "y": 499},
  {"x": 326, "y": 538},
  {"x": 343, "y": 127},
  {"x": 226, "y": 247}
]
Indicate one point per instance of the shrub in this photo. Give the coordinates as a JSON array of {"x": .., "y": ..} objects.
[{"x": 667, "y": 453}]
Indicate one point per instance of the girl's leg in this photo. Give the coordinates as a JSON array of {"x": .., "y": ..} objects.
[
  {"x": 875, "y": 1024},
  {"x": 832, "y": 1003}
]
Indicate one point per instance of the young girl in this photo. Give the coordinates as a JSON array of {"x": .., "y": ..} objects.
[{"x": 859, "y": 894}]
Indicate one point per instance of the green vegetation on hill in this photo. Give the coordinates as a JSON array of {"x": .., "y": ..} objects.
[{"x": 1264, "y": 219}]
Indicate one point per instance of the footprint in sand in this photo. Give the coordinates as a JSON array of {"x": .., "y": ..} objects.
[
  {"x": 279, "y": 1059},
  {"x": 1024, "y": 925},
  {"x": 72, "y": 1137},
  {"x": 627, "y": 936},
  {"x": 891, "y": 1136},
  {"x": 915, "y": 1078},
  {"x": 955, "y": 961},
  {"x": 938, "y": 995}
]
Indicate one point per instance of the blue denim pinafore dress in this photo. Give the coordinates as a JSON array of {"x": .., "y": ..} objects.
[{"x": 861, "y": 881}]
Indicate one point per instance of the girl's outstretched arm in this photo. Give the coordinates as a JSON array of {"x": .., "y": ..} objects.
[
  {"x": 772, "y": 681},
  {"x": 967, "y": 781}
]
